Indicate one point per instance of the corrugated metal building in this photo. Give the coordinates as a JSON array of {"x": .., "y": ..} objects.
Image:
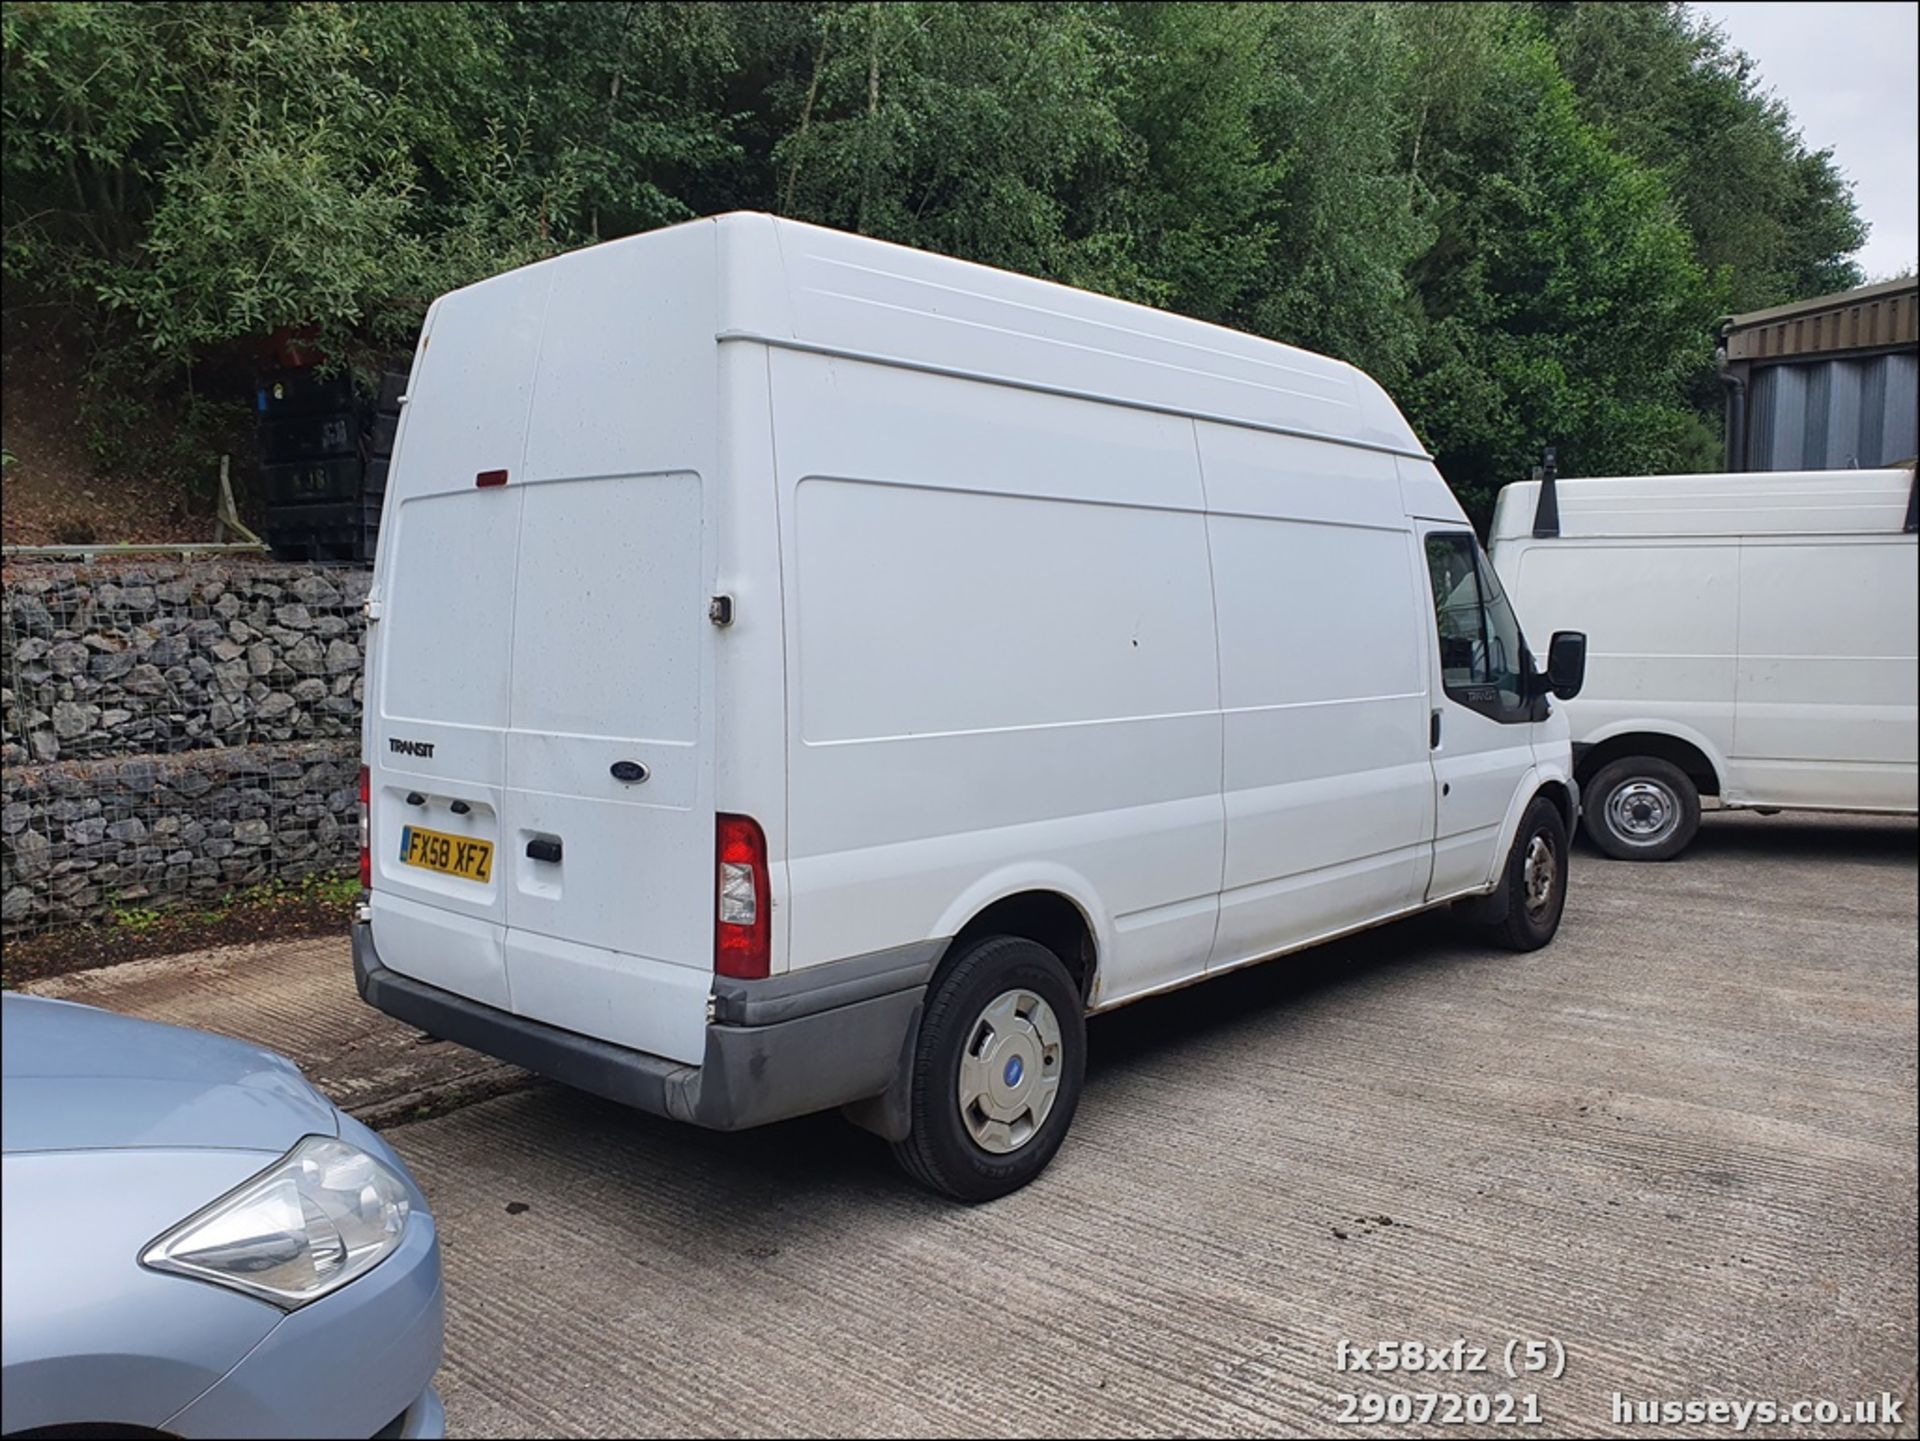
[{"x": 1831, "y": 383}]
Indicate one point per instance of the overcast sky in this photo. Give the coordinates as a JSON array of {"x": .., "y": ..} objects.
[{"x": 1846, "y": 71}]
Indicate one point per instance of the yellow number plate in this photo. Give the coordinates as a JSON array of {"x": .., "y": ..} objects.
[{"x": 450, "y": 855}]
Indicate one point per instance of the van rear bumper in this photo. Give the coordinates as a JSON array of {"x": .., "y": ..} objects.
[{"x": 837, "y": 1035}]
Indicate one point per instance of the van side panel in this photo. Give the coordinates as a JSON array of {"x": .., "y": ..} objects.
[
  {"x": 1002, "y": 665},
  {"x": 1826, "y": 708},
  {"x": 1328, "y": 785},
  {"x": 1661, "y": 618}
]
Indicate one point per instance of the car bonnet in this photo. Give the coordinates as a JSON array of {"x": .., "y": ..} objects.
[{"x": 79, "y": 1079}]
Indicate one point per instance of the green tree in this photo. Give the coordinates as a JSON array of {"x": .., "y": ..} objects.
[
  {"x": 1522, "y": 218},
  {"x": 1562, "y": 301},
  {"x": 962, "y": 128},
  {"x": 1775, "y": 220},
  {"x": 622, "y": 99},
  {"x": 1199, "y": 201},
  {"x": 1348, "y": 221}
]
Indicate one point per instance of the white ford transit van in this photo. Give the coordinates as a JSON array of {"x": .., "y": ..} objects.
[
  {"x": 1754, "y": 639},
  {"x": 806, "y": 672}
]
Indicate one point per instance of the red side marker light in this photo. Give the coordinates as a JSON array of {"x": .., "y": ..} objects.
[{"x": 488, "y": 478}]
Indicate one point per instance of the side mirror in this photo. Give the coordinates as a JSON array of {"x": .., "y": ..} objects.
[{"x": 1567, "y": 663}]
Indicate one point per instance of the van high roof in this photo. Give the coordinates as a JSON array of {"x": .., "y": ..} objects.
[
  {"x": 1783, "y": 502},
  {"x": 797, "y": 286}
]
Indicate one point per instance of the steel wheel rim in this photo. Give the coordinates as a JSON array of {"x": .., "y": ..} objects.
[
  {"x": 1010, "y": 1071},
  {"x": 1643, "y": 812},
  {"x": 1540, "y": 874}
]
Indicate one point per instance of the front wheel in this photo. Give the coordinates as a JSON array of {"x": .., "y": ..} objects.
[
  {"x": 997, "y": 1071},
  {"x": 1535, "y": 880},
  {"x": 1640, "y": 808}
]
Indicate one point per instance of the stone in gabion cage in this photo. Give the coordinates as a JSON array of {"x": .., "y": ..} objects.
[{"x": 174, "y": 732}]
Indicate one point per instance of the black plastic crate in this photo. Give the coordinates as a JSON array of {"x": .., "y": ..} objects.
[
  {"x": 303, "y": 392},
  {"x": 380, "y": 437},
  {"x": 308, "y": 481},
  {"x": 308, "y": 437},
  {"x": 393, "y": 385},
  {"x": 361, "y": 509},
  {"x": 337, "y": 530},
  {"x": 304, "y": 543},
  {"x": 375, "y": 479}
]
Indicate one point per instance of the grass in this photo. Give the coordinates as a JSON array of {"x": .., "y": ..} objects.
[
  {"x": 135, "y": 918},
  {"x": 340, "y": 888},
  {"x": 302, "y": 906}
]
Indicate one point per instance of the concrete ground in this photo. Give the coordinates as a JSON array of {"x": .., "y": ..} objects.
[
  {"x": 1680, "y": 1143},
  {"x": 297, "y": 997}
]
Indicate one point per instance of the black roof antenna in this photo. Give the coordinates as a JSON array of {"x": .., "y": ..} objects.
[{"x": 1546, "y": 511}]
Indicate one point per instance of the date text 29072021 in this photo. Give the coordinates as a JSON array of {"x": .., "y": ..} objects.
[{"x": 1438, "y": 1408}]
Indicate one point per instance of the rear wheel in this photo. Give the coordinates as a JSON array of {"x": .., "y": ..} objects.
[
  {"x": 997, "y": 1072},
  {"x": 1640, "y": 808}
]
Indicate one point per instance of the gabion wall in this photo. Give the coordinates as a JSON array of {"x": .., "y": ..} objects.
[{"x": 174, "y": 732}]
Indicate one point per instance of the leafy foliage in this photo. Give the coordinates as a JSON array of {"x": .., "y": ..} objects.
[
  {"x": 1523, "y": 218},
  {"x": 1771, "y": 219},
  {"x": 1562, "y": 297}
]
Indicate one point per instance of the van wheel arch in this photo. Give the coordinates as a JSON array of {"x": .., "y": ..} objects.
[
  {"x": 1695, "y": 763},
  {"x": 1049, "y": 920},
  {"x": 1046, "y": 917},
  {"x": 1489, "y": 909},
  {"x": 1565, "y": 799}
]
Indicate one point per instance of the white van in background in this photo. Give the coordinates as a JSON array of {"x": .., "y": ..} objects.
[
  {"x": 1753, "y": 639},
  {"x": 806, "y": 672}
]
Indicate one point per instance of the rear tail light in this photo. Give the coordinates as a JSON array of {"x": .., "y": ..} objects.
[
  {"x": 742, "y": 926},
  {"x": 366, "y": 833}
]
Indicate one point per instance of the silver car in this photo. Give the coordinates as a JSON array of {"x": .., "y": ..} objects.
[{"x": 198, "y": 1243}]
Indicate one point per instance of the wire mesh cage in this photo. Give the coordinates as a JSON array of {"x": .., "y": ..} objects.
[{"x": 174, "y": 733}]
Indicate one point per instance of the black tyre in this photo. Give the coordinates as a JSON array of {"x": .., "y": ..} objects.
[
  {"x": 1640, "y": 808},
  {"x": 997, "y": 1072},
  {"x": 1535, "y": 880}
]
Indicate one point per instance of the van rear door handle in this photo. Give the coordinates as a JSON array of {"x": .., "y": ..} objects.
[
  {"x": 1433, "y": 732},
  {"x": 544, "y": 848}
]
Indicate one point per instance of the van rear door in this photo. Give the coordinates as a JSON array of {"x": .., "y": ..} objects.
[
  {"x": 608, "y": 835},
  {"x": 440, "y": 665},
  {"x": 543, "y": 666},
  {"x": 610, "y": 826}
]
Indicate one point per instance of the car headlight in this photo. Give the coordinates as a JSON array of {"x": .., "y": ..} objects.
[{"x": 321, "y": 1215}]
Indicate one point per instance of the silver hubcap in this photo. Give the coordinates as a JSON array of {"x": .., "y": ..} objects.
[
  {"x": 1541, "y": 873},
  {"x": 1010, "y": 1071},
  {"x": 1643, "y": 812}
]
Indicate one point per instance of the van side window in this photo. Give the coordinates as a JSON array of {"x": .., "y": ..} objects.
[{"x": 1483, "y": 658}]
